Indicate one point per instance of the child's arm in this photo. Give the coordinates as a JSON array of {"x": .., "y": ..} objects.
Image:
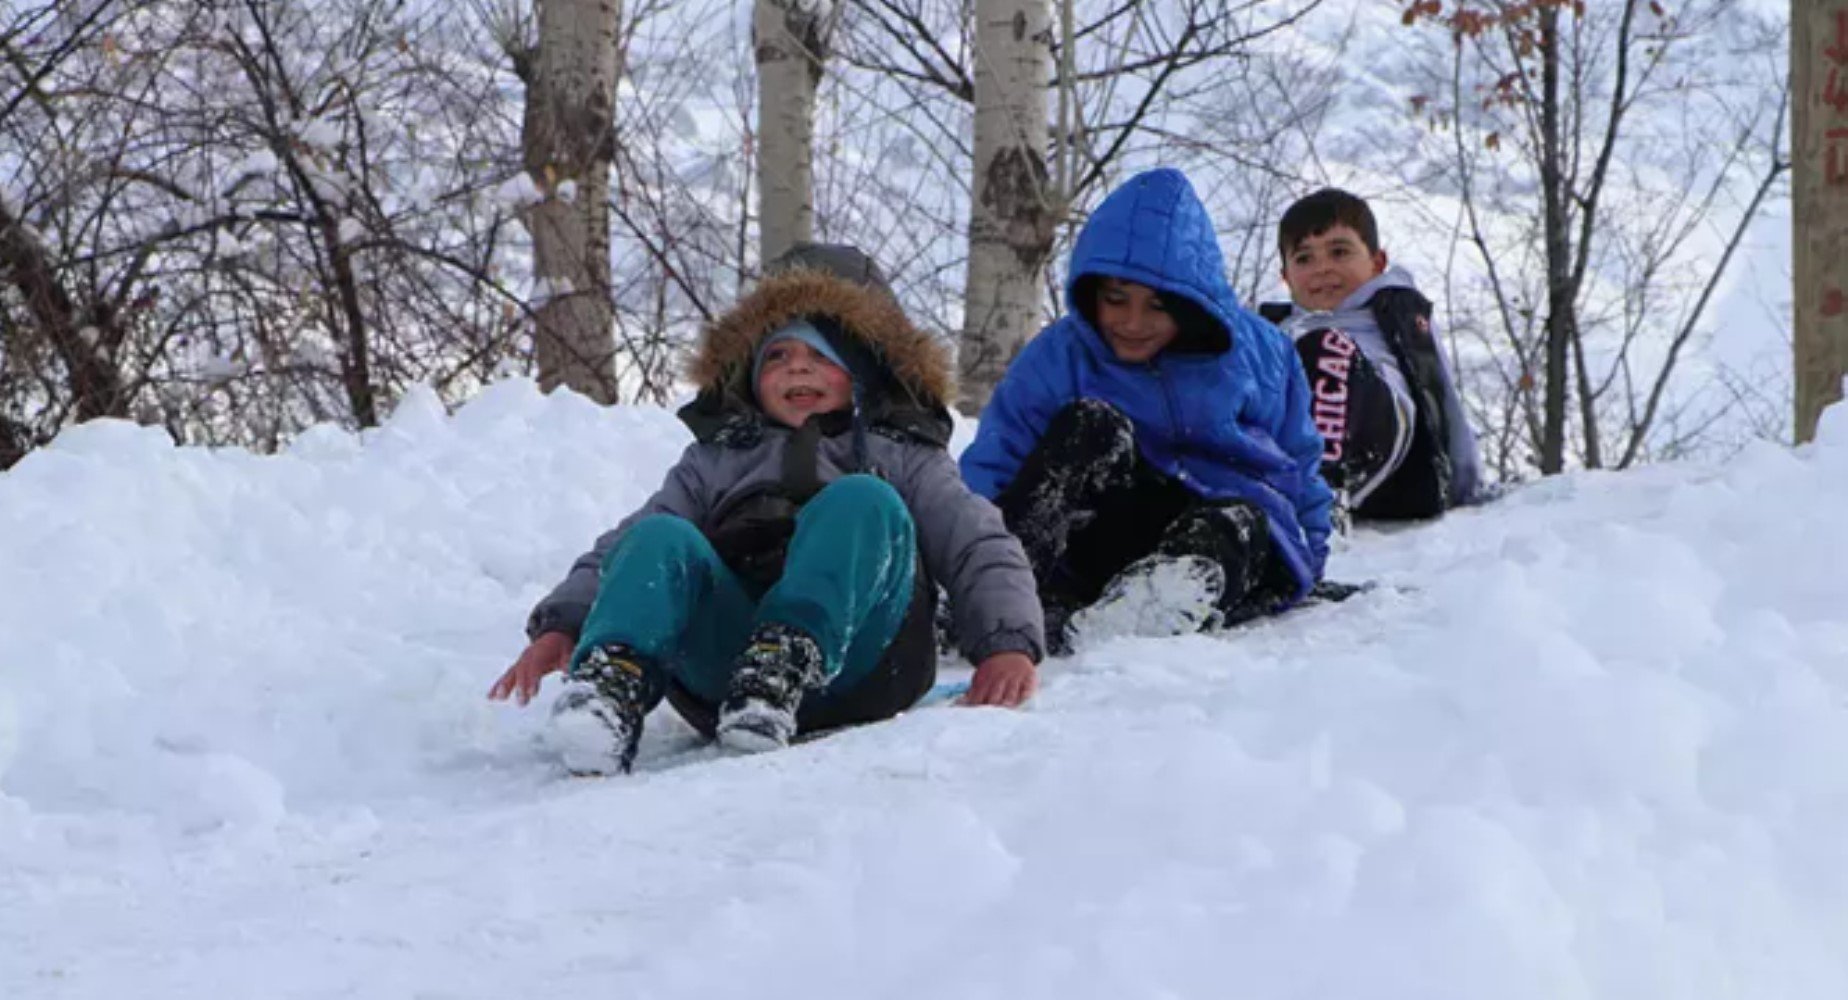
[
  {"x": 546, "y": 654},
  {"x": 967, "y": 547},
  {"x": 1011, "y": 424},
  {"x": 1465, "y": 454},
  {"x": 1296, "y": 433}
]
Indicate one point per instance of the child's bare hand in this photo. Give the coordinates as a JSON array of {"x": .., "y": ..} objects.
[
  {"x": 1004, "y": 679},
  {"x": 547, "y": 654}
]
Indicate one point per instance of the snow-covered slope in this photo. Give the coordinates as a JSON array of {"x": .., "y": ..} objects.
[{"x": 1591, "y": 741}]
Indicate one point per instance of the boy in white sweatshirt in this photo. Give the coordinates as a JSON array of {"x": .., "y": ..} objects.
[{"x": 1396, "y": 442}]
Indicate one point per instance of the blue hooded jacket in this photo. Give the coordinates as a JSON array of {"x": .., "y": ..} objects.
[{"x": 1227, "y": 421}]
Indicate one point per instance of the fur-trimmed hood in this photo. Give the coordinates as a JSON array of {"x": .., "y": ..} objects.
[{"x": 902, "y": 375}]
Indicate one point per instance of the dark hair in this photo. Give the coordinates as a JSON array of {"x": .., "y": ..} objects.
[
  {"x": 1195, "y": 329},
  {"x": 1316, "y": 214}
]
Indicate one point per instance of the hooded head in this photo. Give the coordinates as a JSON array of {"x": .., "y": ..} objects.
[
  {"x": 1154, "y": 232},
  {"x": 901, "y": 375},
  {"x": 842, "y": 260}
]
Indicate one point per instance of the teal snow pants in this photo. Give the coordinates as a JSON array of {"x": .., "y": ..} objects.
[{"x": 847, "y": 582}]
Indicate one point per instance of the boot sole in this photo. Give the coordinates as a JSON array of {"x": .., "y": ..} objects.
[
  {"x": 742, "y": 740},
  {"x": 754, "y": 728},
  {"x": 587, "y": 737},
  {"x": 585, "y": 745},
  {"x": 1172, "y": 599}
]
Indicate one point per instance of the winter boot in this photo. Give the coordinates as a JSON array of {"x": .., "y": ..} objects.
[
  {"x": 1158, "y": 595},
  {"x": 1236, "y": 536},
  {"x": 597, "y": 721},
  {"x": 777, "y": 666},
  {"x": 1058, "y": 611}
]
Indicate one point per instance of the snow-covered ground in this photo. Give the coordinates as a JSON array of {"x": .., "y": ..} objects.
[{"x": 1591, "y": 741}]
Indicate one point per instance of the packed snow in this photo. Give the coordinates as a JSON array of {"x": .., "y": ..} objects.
[{"x": 1586, "y": 742}]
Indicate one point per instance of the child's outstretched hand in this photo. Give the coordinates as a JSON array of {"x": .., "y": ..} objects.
[
  {"x": 1004, "y": 679},
  {"x": 546, "y": 654}
]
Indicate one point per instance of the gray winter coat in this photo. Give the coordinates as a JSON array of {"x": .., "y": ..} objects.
[{"x": 897, "y": 432}]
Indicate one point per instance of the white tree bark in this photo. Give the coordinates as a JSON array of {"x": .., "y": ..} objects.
[
  {"x": 791, "y": 50},
  {"x": 569, "y": 142},
  {"x": 1013, "y": 212}
]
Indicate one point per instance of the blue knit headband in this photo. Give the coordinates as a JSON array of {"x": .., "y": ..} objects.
[{"x": 801, "y": 330}]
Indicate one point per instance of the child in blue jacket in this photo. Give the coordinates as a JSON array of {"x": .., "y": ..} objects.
[{"x": 1153, "y": 449}]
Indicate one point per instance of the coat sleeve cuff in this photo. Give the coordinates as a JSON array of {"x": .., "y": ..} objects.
[
  {"x": 1007, "y": 640},
  {"x": 557, "y": 616}
]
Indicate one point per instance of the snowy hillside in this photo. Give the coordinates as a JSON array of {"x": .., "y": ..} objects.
[{"x": 1590, "y": 742}]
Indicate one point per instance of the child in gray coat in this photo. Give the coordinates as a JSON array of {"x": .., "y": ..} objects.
[{"x": 784, "y": 577}]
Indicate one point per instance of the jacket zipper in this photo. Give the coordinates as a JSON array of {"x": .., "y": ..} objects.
[{"x": 1175, "y": 427}]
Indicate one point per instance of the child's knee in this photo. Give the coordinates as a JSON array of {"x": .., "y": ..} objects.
[
  {"x": 864, "y": 501},
  {"x": 1088, "y": 432},
  {"x": 1089, "y": 418},
  {"x": 660, "y": 535},
  {"x": 860, "y": 491}
]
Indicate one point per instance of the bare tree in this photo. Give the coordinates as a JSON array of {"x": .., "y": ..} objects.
[
  {"x": 1228, "y": 92},
  {"x": 233, "y": 221},
  {"x": 1602, "y": 208},
  {"x": 570, "y": 144},
  {"x": 59, "y": 337},
  {"x": 684, "y": 181}
]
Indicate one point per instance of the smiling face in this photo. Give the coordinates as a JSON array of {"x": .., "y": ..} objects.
[
  {"x": 1133, "y": 319},
  {"x": 796, "y": 381},
  {"x": 1324, "y": 269}
]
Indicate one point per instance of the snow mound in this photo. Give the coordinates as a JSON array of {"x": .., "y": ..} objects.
[{"x": 1586, "y": 742}]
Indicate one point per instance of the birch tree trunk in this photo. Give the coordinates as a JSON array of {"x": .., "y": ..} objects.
[
  {"x": 569, "y": 142},
  {"x": 1013, "y": 210},
  {"x": 791, "y": 51}
]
